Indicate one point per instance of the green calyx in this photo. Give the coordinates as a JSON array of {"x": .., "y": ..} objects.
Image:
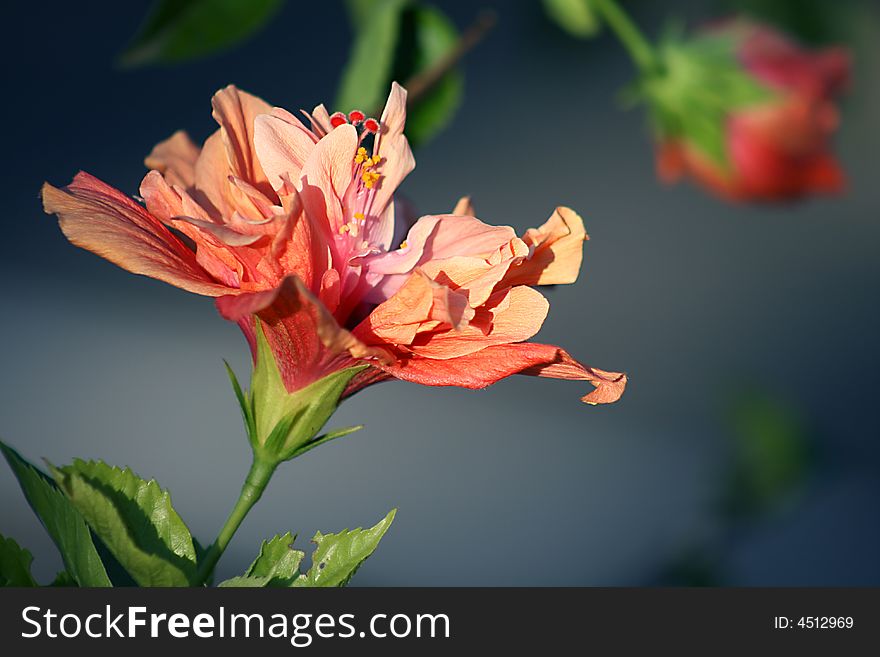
[
  {"x": 699, "y": 82},
  {"x": 282, "y": 425}
]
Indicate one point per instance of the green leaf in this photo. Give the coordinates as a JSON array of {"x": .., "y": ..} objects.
[
  {"x": 15, "y": 564},
  {"x": 64, "y": 524},
  {"x": 367, "y": 76},
  {"x": 434, "y": 36},
  {"x": 135, "y": 519},
  {"x": 277, "y": 561},
  {"x": 244, "y": 582},
  {"x": 338, "y": 556},
  {"x": 63, "y": 579},
  {"x": 576, "y": 17},
  {"x": 178, "y": 30},
  {"x": 283, "y": 421},
  {"x": 276, "y": 566}
]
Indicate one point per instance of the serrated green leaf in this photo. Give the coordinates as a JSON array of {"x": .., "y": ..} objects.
[
  {"x": 434, "y": 36},
  {"x": 338, "y": 556},
  {"x": 244, "y": 582},
  {"x": 577, "y": 17},
  {"x": 178, "y": 30},
  {"x": 277, "y": 561},
  {"x": 15, "y": 564},
  {"x": 135, "y": 519},
  {"x": 63, "y": 580},
  {"x": 366, "y": 77},
  {"x": 62, "y": 521}
]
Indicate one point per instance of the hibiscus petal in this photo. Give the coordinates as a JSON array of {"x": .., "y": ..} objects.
[
  {"x": 236, "y": 112},
  {"x": 326, "y": 175},
  {"x": 176, "y": 159},
  {"x": 557, "y": 251},
  {"x": 282, "y": 147},
  {"x": 433, "y": 237},
  {"x": 396, "y": 163},
  {"x": 513, "y": 315},
  {"x": 492, "y": 364},
  {"x": 302, "y": 333},
  {"x": 103, "y": 220}
]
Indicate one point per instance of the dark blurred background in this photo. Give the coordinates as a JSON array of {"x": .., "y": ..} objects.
[{"x": 744, "y": 452}]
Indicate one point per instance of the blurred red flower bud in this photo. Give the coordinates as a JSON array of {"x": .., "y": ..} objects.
[{"x": 747, "y": 112}]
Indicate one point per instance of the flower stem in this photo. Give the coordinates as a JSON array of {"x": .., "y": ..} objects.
[
  {"x": 257, "y": 478},
  {"x": 639, "y": 48}
]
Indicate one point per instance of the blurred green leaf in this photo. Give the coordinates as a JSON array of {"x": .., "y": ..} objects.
[
  {"x": 62, "y": 521},
  {"x": 179, "y": 30},
  {"x": 15, "y": 564},
  {"x": 398, "y": 40},
  {"x": 428, "y": 38},
  {"x": 367, "y": 76},
  {"x": 771, "y": 455},
  {"x": 576, "y": 17},
  {"x": 338, "y": 556},
  {"x": 135, "y": 519}
]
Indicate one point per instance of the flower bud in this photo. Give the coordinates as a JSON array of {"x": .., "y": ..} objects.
[{"x": 746, "y": 112}]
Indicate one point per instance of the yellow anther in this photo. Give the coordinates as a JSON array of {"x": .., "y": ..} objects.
[
  {"x": 358, "y": 215},
  {"x": 344, "y": 229},
  {"x": 375, "y": 160},
  {"x": 403, "y": 244},
  {"x": 369, "y": 178},
  {"x": 361, "y": 155}
]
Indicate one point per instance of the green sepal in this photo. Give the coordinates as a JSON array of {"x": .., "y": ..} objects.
[
  {"x": 338, "y": 556},
  {"x": 62, "y": 521},
  {"x": 281, "y": 424},
  {"x": 135, "y": 520},
  {"x": 15, "y": 564}
]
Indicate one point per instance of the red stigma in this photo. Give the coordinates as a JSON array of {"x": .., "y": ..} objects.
[
  {"x": 356, "y": 116},
  {"x": 371, "y": 125},
  {"x": 337, "y": 119}
]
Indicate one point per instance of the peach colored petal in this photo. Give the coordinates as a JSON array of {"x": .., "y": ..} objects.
[
  {"x": 557, "y": 251},
  {"x": 609, "y": 385},
  {"x": 513, "y": 315},
  {"x": 433, "y": 237},
  {"x": 236, "y": 111},
  {"x": 176, "y": 159},
  {"x": 326, "y": 175},
  {"x": 396, "y": 162},
  {"x": 101, "y": 219},
  {"x": 282, "y": 147}
]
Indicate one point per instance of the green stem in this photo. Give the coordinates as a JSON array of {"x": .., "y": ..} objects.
[
  {"x": 639, "y": 48},
  {"x": 257, "y": 478}
]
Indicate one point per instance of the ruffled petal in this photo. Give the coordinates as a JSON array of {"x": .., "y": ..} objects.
[
  {"x": 103, "y": 220},
  {"x": 176, "y": 159},
  {"x": 557, "y": 250},
  {"x": 490, "y": 365}
]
